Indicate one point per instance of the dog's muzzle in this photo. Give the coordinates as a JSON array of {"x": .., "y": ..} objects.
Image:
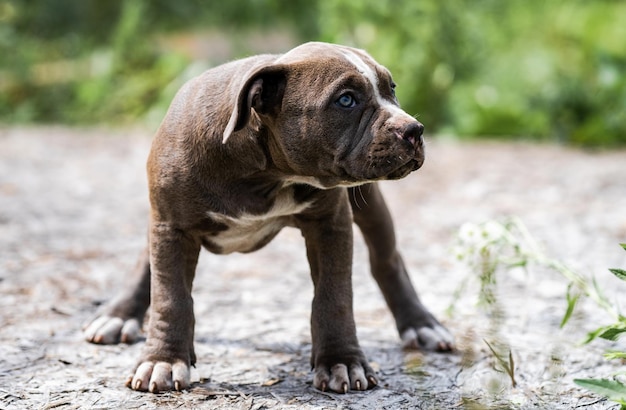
[{"x": 411, "y": 136}]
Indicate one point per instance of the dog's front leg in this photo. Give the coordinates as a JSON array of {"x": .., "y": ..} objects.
[
  {"x": 338, "y": 361},
  {"x": 168, "y": 352},
  {"x": 418, "y": 328}
]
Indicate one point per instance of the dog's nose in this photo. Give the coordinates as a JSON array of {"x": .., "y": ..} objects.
[{"x": 413, "y": 133}]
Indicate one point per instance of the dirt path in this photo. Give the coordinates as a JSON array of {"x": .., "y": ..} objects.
[{"x": 73, "y": 213}]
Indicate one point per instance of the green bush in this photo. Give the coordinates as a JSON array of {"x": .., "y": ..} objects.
[{"x": 531, "y": 69}]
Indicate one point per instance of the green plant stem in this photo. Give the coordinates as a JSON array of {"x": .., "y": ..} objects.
[{"x": 592, "y": 291}]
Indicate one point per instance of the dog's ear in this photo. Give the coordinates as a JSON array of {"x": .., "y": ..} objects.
[{"x": 262, "y": 91}]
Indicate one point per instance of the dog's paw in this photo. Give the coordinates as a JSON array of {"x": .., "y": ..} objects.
[
  {"x": 159, "y": 376},
  {"x": 434, "y": 338},
  {"x": 341, "y": 377},
  {"x": 110, "y": 330}
]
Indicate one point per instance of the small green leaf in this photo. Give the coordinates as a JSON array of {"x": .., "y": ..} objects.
[
  {"x": 571, "y": 304},
  {"x": 596, "y": 333},
  {"x": 612, "y": 333},
  {"x": 620, "y": 273},
  {"x": 615, "y": 355},
  {"x": 611, "y": 389},
  {"x": 623, "y": 245},
  {"x": 508, "y": 367},
  {"x": 511, "y": 371},
  {"x": 513, "y": 265}
]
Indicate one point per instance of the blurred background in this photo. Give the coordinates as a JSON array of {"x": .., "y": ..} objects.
[{"x": 531, "y": 69}]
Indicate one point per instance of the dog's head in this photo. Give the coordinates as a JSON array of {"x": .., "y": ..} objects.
[{"x": 332, "y": 117}]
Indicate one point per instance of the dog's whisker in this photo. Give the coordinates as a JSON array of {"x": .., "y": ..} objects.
[
  {"x": 362, "y": 197},
  {"x": 356, "y": 203}
]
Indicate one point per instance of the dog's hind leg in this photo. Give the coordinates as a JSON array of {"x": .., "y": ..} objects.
[
  {"x": 418, "y": 328},
  {"x": 121, "y": 319}
]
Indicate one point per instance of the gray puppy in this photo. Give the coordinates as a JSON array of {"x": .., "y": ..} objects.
[{"x": 256, "y": 145}]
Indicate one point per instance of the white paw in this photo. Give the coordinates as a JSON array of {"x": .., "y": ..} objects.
[
  {"x": 110, "y": 330},
  {"x": 435, "y": 338},
  {"x": 157, "y": 377}
]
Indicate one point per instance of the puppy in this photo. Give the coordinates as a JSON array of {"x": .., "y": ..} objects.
[{"x": 256, "y": 145}]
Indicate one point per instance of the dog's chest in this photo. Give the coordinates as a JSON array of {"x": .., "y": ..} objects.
[{"x": 249, "y": 232}]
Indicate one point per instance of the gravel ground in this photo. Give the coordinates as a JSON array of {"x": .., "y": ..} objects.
[{"x": 73, "y": 215}]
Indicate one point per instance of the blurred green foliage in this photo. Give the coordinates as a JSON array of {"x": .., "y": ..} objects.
[
  {"x": 542, "y": 69},
  {"x": 552, "y": 70}
]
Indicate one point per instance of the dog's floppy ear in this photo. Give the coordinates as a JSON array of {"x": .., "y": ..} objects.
[{"x": 262, "y": 90}]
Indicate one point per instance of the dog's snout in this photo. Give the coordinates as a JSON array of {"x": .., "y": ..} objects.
[{"x": 413, "y": 133}]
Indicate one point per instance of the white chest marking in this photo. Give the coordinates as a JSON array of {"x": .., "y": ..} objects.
[{"x": 246, "y": 231}]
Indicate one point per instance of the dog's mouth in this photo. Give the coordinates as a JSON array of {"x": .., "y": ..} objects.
[
  {"x": 379, "y": 164},
  {"x": 347, "y": 180},
  {"x": 412, "y": 165},
  {"x": 395, "y": 158},
  {"x": 387, "y": 170},
  {"x": 397, "y": 166}
]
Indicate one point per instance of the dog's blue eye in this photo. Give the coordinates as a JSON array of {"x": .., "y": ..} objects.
[{"x": 346, "y": 101}]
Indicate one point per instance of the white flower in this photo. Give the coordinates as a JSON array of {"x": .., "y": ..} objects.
[
  {"x": 468, "y": 232},
  {"x": 492, "y": 231},
  {"x": 460, "y": 252}
]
